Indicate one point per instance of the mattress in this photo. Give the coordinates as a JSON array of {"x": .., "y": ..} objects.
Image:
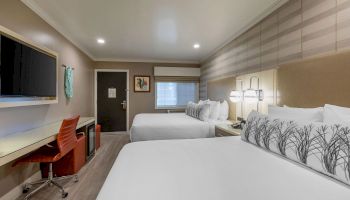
[
  {"x": 165, "y": 126},
  {"x": 223, "y": 168}
]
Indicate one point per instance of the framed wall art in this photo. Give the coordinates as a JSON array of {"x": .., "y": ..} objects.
[{"x": 142, "y": 83}]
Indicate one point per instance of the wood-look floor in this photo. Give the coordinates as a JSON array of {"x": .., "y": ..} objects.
[{"x": 92, "y": 175}]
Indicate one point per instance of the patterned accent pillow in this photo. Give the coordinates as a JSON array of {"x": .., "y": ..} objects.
[
  {"x": 198, "y": 111},
  {"x": 319, "y": 146},
  {"x": 190, "y": 109}
]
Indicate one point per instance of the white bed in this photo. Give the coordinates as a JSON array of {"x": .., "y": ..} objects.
[
  {"x": 223, "y": 168},
  {"x": 165, "y": 126}
]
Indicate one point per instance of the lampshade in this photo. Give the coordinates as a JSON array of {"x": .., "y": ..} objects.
[
  {"x": 251, "y": 96},
  {"x": 236, "y": 96}
]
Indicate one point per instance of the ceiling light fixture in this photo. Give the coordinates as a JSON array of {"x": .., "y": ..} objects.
[
  {"x": 196, "y": 46},
  {"x": 100, "y": 41}
]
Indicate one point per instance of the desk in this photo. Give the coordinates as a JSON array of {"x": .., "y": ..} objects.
[{"x": 21, "y": 143}]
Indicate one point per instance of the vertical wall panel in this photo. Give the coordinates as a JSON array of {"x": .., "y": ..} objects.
[
  {"x": 297, "y": 30},
  {"x": 253, "y": 48},
  {"x": 343, "y": 24},
  {"x": 319, "y": 27},
  {"x": 289, "y": 21},
  {"x": 269, "y": 41}
]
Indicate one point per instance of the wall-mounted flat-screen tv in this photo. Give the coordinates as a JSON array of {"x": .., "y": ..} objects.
[{"x": 25, "y": 71}]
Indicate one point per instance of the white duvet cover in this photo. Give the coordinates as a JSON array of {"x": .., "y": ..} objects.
[
  {"x": 223, "y": 168},
  {"x": 165, "y": 126}
]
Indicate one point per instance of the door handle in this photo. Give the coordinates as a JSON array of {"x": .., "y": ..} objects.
[{"x": 124, "y": 103}]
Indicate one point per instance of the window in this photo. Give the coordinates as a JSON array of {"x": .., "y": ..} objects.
[{"x": 175, "y": 94}]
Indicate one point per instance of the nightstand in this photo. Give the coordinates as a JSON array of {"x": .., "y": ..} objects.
[{"x": 222, "y": 130}]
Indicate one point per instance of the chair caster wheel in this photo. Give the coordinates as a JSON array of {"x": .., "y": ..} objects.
[{"x": 64, "y": 195}]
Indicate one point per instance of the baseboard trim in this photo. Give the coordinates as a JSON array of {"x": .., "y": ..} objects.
[{"x": 17, "y": 191}]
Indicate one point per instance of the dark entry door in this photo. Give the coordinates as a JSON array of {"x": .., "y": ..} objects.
[{"x": 111, "y": 101}]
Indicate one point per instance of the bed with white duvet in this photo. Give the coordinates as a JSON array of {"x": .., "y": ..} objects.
[
  {"x": 161, "y": 126},
  {"x": 223, "y": 168},
  {"x": 198, "y": 121}
]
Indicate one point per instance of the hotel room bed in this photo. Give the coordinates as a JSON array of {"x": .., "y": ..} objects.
[
  {"x": 223, "y": 168},
  {"x": 164, "y": 126}
]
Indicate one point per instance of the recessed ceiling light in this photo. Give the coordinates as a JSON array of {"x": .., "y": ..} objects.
[
  {"x": 100, "y": 41},
  {"x": 196, "y": 46}
]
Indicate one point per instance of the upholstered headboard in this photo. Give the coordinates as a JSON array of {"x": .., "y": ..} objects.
[
  {"x": 219, "y": 90},
  {"x": 316, "y": 81}
]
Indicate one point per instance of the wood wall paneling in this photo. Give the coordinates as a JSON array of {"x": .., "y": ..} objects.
[{"x": 298, "y": 30}]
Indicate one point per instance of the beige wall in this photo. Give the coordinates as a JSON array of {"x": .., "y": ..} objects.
[
  {"x": 139, "y": 102},
  {"x": 15, "y": 16},
  {"x": 219, "y": 90},
  {"x": 298, "y": 30}
]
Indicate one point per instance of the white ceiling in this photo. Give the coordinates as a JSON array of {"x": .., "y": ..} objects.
[{"x": 152, "y": 30}]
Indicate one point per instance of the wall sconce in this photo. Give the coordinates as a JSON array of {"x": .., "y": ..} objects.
[
  {"x": 254, "y": 95},
  {"x": 237, "y": 95},
  {"x": 250, "y": 95}
]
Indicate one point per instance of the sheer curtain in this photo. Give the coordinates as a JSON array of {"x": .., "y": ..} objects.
[{"x": 175, "y": 94}]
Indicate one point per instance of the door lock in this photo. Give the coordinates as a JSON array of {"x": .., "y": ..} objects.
[{"x": 124, "y": 104}]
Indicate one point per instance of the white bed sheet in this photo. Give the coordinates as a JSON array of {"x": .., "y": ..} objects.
[
  {"x": 165, "y": 126},
  {"x": 223, "y": 168}
]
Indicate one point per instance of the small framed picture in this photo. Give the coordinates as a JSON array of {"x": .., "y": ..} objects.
[{"x": 142, "y": 83}]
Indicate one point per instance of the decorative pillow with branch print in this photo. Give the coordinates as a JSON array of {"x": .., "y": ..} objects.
[{"x": 319, "y": 146}]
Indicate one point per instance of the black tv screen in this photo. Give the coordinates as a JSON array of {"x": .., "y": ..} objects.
[{"x": 25, "y": 71}]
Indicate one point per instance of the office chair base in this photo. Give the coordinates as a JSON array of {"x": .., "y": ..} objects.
[{"x": 48, "y": 182}]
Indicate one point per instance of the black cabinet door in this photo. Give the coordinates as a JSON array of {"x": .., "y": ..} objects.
[{"x": 111, "y": 101}]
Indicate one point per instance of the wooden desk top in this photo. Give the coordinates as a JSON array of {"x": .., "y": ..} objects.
[{"x": 18, "y": 144}]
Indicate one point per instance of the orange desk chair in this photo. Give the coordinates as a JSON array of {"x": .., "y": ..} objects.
[{"x": 66, "y": 141}]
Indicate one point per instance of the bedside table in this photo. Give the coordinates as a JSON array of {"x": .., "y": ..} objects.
[{"x": 222, "y": 130}]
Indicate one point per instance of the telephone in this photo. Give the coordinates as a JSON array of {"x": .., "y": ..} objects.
[{"x": 238, "y": 125}]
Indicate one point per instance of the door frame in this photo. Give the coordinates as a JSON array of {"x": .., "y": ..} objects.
[{"x": 127, "y": 92}]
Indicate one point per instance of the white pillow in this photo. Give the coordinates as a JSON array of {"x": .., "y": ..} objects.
[
  {"x": 336, "y": 114},
  {"x": 296, "y": 114},
  {"x": 200, "y": 102},
  {"x": 224, "y": 110},
  {"x": 204, "y": 112},
  {"x": 214, "y": 110}
]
